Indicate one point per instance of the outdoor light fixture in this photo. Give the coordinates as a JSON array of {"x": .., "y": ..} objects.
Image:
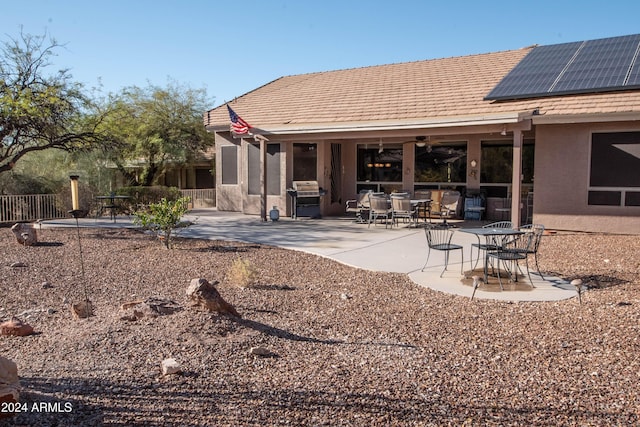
[
  {"x": 504, "y": 130},
  {"x": 474, "y": 171},
  {"x": 420, "y": 141},
  {"x": 75, "y": 204}
]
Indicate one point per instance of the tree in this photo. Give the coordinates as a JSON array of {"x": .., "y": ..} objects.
[
  {"x": 154, "y": 127},
  {"x": 40, "y": 111}
]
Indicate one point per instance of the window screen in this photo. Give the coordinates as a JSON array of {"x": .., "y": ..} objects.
[{"x": 229, "y": 164}]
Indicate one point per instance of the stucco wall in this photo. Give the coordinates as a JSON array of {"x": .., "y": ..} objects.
[{"x": 561, "y": 182}]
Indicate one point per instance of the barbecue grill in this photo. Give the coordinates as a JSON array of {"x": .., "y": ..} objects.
[{"x": 305, "y": 199}]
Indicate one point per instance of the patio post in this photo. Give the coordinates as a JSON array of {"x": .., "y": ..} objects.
[{"x": 516, "y": 180}]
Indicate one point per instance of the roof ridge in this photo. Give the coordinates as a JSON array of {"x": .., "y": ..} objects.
[{"x": 407, "y": 62}]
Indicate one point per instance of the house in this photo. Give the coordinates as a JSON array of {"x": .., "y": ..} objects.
[{"x": 554, "y": 131}]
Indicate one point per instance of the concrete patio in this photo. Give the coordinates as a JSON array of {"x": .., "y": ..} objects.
[{"x": 398, "y": 250}]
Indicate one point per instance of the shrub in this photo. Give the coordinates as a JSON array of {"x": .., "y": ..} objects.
[
  {"x": 164, "y": 217},
  {"x": 144, "y": 196},
  {"x": 242, "y": 274}
]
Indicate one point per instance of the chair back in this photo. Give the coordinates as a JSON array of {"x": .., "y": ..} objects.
[
  {"x": 499, "y": 224},
  {"x": 521, "y": 243},
  {"x": 363, "y": 199},
  {"x": 422, "y": 194},
  {"x": 449, "y": 201},
  {"x": 536, "y": 231},
  {"x": 438, "y": 236},
  {"x": 401, "y": 202},
  {"x": 378, "y": 203}
]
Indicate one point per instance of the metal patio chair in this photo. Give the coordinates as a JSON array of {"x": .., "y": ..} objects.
[
  {"x": 379, "y": 208},
  {"x": 439, "y": 239},
  {"x": 537, "y": 230},
  {"x": 489, "y": 244},
  {"x": 511, "y": 250},
  {"x": 448, "y": 205},
  {"x": 401, "y": 208},
  {"x": 359, "y": 206}
]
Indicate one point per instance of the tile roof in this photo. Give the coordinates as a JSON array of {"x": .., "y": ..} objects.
[{"x": 427, "y": 90}]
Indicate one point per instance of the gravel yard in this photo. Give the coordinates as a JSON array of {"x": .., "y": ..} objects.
[{"x": 348, "y": 347}]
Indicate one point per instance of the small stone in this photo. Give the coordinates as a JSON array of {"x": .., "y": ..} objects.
[
  {"x": 82, "y": 310},
  {"x": 16, "y": 328},
  {"x": 18, "y": 264},
  {"x": 46, "y": 285},
  {"x": 345, "y": 296},
  {"x": 259, "y": 351},
  {"x": 170, "y": 367}
]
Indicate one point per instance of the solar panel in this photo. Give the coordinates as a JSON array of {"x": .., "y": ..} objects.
[{"x": 577, "y": 67}]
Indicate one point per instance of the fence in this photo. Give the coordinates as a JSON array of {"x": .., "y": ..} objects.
[
  {"x": 30, "y": 207},
  {"x": 202, "y": 197}
]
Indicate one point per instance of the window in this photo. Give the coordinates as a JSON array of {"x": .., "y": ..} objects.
[
  {"x": 305, "y": 161},
  {"x": 441, "y": 163},
  {"x": 229, "y": 164},
  {"x": 496, "y": 166},
  {"x": 379, "y": 168},
  {"x": 615, "y": 160},
  {"x": 272, "y": 166}
]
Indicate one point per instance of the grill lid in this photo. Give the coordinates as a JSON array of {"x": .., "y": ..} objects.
[{"x": 306, "y": 188}]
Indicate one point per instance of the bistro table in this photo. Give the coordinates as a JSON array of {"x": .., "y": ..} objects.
[
  {"x": 109, "y": 202},
  {"x": 425, "y": 205},
  {"x": 491, "y": 236}
]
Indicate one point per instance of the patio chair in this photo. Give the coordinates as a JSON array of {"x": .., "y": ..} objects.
[
  {"x": 511, "y": 250},
  {"x": 473, "y": 208},
  {"x": 537, "y": 230},
  {"x": 401, "y": 208},
  {"x": 359, "y": 206},
  {"x": 439, "y": 239},
  {"x": 505, "y": 208},
  {"x": 379, "y": 208},
  {"x": 488, "y": 245},
  {"x": 448, "y": 205}
]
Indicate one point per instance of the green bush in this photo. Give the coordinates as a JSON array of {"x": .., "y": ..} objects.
[{"x": 163, "y": 217}]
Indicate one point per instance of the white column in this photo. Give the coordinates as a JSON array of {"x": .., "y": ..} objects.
[{"x": 516, "y": 180}]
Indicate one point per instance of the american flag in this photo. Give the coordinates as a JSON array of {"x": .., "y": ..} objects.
[{"x": 238, "y": 125}]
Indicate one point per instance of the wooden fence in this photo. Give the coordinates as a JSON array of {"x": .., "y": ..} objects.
[{"x": 30, "y": 207}]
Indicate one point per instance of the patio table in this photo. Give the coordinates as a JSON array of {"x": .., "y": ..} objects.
[
  {"x": 109, "y": 202},
  {"x": 490, "y": 234},
  {"x": 424, "y": 203}
]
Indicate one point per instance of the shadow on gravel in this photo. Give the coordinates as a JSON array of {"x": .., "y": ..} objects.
[
  {"x": 594, "y": 281},
  {"x": 215, "y": 398}
]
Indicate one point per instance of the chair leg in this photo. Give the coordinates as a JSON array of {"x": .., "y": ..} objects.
[
  {"x": 446, "y": 262},
  {"x": 427, "y": 261}
]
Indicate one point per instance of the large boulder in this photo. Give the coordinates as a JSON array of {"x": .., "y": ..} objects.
[
  {"x": 9, "y": 384},
  {"x": 204, "y": 294},
  {"x": 25, "y": 234}
]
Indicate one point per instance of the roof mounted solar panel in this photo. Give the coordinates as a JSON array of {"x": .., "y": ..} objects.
[{"x": 572, "y": 68}]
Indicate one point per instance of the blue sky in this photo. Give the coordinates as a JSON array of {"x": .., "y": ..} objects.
[{"x": 232, "y": 47}]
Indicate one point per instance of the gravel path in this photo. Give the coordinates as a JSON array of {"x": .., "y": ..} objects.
[{"x": 347, "y": 347}]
